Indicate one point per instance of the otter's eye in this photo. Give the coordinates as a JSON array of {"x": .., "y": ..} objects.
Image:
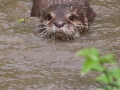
[
  {"x": 48, "y": 17},
  {"x": 72, "y": 17}
]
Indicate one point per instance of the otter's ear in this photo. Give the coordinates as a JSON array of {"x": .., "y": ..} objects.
[
  {"x": 35, "y": 13},
  {"x": 92, "y": 16},
  {"x": 89, "y": 12},
  {"x": 35, "y": 9}
]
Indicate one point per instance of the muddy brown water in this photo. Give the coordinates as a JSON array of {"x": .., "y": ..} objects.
[{"x": 29, "y": 62}]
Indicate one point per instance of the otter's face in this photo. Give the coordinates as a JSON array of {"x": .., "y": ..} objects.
[{"x": 62, "y": 22}]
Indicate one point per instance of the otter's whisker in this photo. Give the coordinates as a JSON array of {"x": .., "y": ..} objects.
[
  {"x": 47, "y": 33},
  {"x": 70, "y": 34},
  {"x": 42, "y": 28},
  {"x": 41, "y": 24},
  {"x": 43, "y": 31},
  {"x": 73, "y": 33}
]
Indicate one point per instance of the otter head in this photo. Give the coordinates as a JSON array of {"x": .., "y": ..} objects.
[{"x": 64, "y": 21}]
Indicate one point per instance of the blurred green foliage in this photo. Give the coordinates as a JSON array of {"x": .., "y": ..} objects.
[
  {"x": 21, "y": 20},
  {"x": 95, "y": 62}
]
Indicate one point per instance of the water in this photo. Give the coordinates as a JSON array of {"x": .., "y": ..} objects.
[{"x": 28, "y": 62}]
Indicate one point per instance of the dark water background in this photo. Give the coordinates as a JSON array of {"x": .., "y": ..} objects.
[{"x": 28, "y": 62}]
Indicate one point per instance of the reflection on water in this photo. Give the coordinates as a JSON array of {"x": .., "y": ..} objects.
[{"x": 28, "y": 62}]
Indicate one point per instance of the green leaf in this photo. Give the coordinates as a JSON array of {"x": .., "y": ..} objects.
[
  {"x": 93, "y": 57},
  {"x": 115, "y": 73},
  {"x": 118, "y": 83},
  {"x": 98, "y": 68},
  {"x": 102, "y": 78},
  {"x": 21, "y": 20},
  {"x": 83, "y": 52},
  {"x": 94, "y": 51},
  {"x": 89, "y": 65},
  {"x": 91, "y": 53},
  {"x": 109, "y": 58}
]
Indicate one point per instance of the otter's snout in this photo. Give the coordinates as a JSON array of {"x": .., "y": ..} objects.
[{"x": 59, "y": 24}]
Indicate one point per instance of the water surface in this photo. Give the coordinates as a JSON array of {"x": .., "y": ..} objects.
[{"x": 28, "y": 62}]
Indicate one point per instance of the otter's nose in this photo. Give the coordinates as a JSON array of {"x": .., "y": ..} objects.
[{"x": 59, "y": 24}]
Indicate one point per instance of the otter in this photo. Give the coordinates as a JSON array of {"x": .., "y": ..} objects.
[{"x": 63, "y": 19}]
